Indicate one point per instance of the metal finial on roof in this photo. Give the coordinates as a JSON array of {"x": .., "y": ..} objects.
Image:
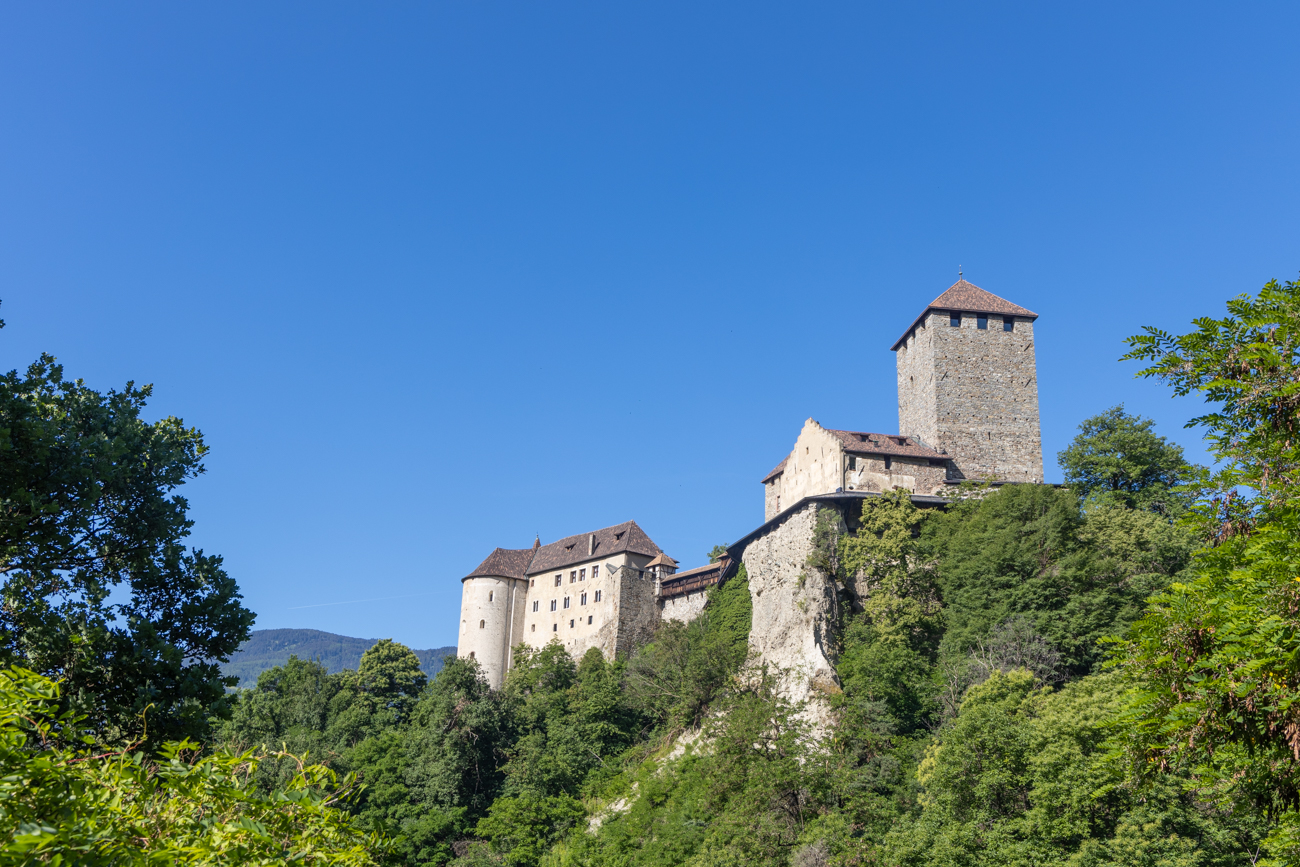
[{"x": 958, "y": 272}]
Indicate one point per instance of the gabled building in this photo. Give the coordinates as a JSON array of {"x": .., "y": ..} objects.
[
  {"x": 595, "y": 589},
  {"x": 967, "y": 409}
]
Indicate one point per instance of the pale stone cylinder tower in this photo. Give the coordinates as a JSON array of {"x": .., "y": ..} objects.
[
  {"x": 492, "y": 603},
  {"x": 968, "y": 385}
]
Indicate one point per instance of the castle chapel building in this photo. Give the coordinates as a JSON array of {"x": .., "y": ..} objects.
[{"x": 967, "y": 409}]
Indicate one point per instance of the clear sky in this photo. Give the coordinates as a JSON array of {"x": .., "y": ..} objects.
[{"x": 437, "y": 277}]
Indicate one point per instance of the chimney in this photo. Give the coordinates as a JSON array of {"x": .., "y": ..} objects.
[{"x": 591, "y": 544}]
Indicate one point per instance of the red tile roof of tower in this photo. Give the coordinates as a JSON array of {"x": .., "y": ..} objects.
[{"x": 966, "y": 297}]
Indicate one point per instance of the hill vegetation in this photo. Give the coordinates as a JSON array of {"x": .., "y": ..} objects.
[
  {"x": 1092, "y": 676},
  {"x": 267, "y": 648}
]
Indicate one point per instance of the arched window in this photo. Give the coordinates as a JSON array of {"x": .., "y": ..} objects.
[
  {"x": 482, "y": 624},
  {"x": 489, "y": 596},
  {"x": 471, "y": 654}
]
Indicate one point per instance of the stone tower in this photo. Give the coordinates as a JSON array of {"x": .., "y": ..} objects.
[
  {"x": 968, "y": 385},
  {"x": 492, "y": 603}
]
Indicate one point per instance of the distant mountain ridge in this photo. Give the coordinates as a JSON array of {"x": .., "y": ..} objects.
[{"x": 267, "y": 648}]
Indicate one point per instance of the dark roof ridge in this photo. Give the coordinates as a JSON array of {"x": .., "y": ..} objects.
[
  {"x": 966, "y": 297},
  {"x": 504, "y": 563},
  {"x": 627, "y": 537}
]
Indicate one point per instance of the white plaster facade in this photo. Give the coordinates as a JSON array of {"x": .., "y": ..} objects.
[{"x": 491, "y": 620}]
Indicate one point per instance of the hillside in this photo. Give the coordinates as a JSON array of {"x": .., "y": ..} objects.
[{"x": 266, "y": 648}]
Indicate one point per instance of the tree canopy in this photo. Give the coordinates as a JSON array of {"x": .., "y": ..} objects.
[
  {"x": 1118, "y": 458},
  {"x": 98, "y": 588}
]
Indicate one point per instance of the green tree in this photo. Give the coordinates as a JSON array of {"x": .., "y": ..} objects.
[
  {"x": 98, "y": 589},
  {"x": 456, "y": 742},
  {"x": 91, "y": 806},
  {"x": 687, "y": 666},
  {"x": 1027, "y": 550},
  {"x": 390, "y": 673},
  {"x": 1023, "y": 776},
  {"x": 1213, "y": 662},
  {"x": 1248, "y": 366},
  {"x": 1118, "y": 458}
]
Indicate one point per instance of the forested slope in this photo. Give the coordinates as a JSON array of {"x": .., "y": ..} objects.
[
  {"x": 267, "y": 648},
  {"x": 1095, "y": 675}
]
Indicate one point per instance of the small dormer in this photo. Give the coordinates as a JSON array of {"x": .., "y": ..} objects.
[{"x": 661, "y": 566}]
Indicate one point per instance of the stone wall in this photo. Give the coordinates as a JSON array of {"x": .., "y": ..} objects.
[
  {"x": 869, "y": 473},
  {"x": 973, "y": 393},
  {"x": 916, "y": 386},
  {"x": 638, "y": 610},
  {"x": 813, "y": 467},
  {"x": 795, "y": 606},
  {"x": 684, "y": 608},
  {"x": 579, "y": 584}
]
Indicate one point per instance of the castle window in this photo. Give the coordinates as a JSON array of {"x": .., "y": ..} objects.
[
  {"x": 552, "y": 604},
  {"x": 853, "y": 462},
  {"x": 1008, "y": 324},
  {"x": 534, "y": 627},
  {"x": 489, "y": 596},
  {"x": 534, "y": 605},
  {"x": 597, "y": 595},
  {"x": 582, "y": 574},
  {"x": 889, "y": 462},
  {"x": 482, "y": 624},
  {"x": 471, "y": 654},
  {"x": 558, "y": 580},
  {"x": 982, "y": 322},
  {"x": 570, "y": 624},
  {"x": 555, "y": 627},
  {"x": 573, "y": 576},
  {"x": 588, "y": 619},
  {"x": 566, "y": 601},
  {"x": 954, "y": 319},
  {"x": 532, "y": 582},
  {"x": 595, "y": 572},
  {"x": 583, "y": 601}
]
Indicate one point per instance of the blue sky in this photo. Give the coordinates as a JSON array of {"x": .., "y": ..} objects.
[{"x": 437, "y": 277}]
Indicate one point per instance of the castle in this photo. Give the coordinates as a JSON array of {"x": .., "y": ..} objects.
[{"x": 967, "y": 409}]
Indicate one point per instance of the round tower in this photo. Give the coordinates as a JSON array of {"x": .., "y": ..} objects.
[{"x": 492, "y": 603}]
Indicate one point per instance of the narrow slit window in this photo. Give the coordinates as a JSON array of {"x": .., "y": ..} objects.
[
  {"x": 534, "y": 627},
  {"x": 588, "y": 619},
  {"x": 570, "y": 624},
  {"x": 552, "y": 604},
  {"x": 535, "y": 605},
  {"x": 490, "y": 596},
  {"x": 482, "y": 624},
  {"x": 555, "y": 627}
]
